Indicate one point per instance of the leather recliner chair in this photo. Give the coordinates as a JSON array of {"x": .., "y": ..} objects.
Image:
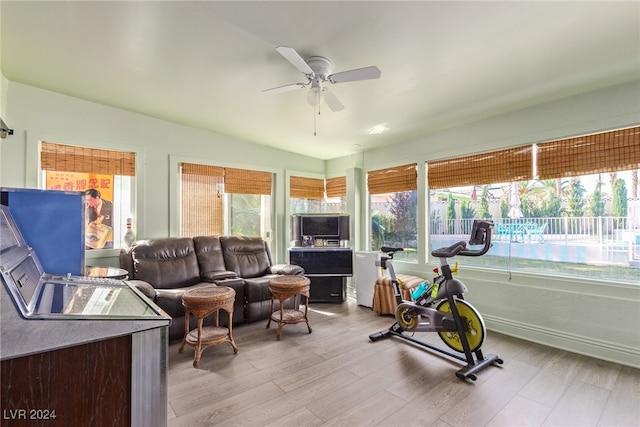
[{"x": 164, "y": 269}]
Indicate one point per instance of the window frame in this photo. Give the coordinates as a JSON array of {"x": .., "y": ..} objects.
[
  {"x": 174, "y": 193},
  {"x": 34, "y": 177},
  {"x": 418, "y": 187},
  {"x": 625, "y": 139}
]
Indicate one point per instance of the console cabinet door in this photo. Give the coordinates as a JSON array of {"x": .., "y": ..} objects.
[{"x": 84, "y": 385}]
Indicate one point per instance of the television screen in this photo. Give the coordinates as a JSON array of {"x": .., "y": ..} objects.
[{"x": 321, "y": 226}]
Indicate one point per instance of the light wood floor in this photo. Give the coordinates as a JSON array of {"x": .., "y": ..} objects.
[{"x": 336, "y": 376}]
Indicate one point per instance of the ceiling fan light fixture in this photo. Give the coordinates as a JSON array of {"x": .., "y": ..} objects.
[{"x": 315, "y": 96}]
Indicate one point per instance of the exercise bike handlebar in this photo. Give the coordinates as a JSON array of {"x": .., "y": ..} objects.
[{"x": 480, "y": 235}]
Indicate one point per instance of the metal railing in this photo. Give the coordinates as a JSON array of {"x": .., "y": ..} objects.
[{"x": 595, "y": 230}]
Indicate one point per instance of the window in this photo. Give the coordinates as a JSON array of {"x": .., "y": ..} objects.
[
  {"x": 393, "y": 199},
  {"x": 224, "y": 201},
  {"x": 111, "y": 177},
  {"x": 567, "y": 207},
  {"x": 316, "y": 195}
]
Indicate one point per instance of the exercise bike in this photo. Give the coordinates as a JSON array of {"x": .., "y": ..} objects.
[{"x": 441, "y": 307}]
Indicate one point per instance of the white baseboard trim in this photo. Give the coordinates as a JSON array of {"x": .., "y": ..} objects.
[{"x": 587, "y": 346}]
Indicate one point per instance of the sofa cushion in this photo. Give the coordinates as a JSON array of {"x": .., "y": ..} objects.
[
  {"x": 170, "y": 300},
  {"x": 246, "y": 256},
  {"x": 257, "y": 289},
  {"x": 166, "y": 263},
  {"x": 144, "y": 287},
  {"x": 287, "y": 269},
  {"x": 210, "y": 259}
]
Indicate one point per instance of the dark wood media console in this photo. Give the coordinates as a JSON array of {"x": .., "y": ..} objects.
[{"x": 327, "y": 268}]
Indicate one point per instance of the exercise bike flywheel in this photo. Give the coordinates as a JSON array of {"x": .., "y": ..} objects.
[
  {"x": 474, "y": 325},
  {"x": 407, "y": 317}
]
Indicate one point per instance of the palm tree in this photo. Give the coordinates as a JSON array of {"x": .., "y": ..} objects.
[
  {"x": 619, "y": 203},
  {"x": 451, "y": 214},
  {"x": 612, "y": 180},
  {"x": 484, "y": 203},
  {"x": 377, "y": 231}
]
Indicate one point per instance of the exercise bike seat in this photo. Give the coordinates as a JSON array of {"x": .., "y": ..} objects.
[
  {"x": 450, "y": 251},
  {"x": 390, "y": 250}
]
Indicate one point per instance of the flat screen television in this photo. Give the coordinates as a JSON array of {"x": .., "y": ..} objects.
[
  {"x": 309, "y": 227},
  {"x": 321, "y": 226}
]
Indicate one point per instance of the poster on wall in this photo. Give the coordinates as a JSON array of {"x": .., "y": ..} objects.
[{"x": 99, "y": 203}]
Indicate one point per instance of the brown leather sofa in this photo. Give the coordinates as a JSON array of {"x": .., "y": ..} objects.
[{"x": 163, "y": 269}]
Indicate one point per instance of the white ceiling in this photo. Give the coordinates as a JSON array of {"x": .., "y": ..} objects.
[{"x": 204, "y": 64}]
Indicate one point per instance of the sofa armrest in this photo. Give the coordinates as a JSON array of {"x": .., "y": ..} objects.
[
  {"x": 126, "y": 261},
  {"x": 214, "y": 276},
  {"x": 144, "y": 287},
  {"x": 287, "y": 269}
]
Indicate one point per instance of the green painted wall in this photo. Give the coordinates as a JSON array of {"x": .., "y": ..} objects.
[{"x": 554, "y": 311}]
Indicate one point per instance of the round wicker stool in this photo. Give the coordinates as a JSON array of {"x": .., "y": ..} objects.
[
  {"x": 202, "y": 302},
  {"x": 283, "y": 288}
]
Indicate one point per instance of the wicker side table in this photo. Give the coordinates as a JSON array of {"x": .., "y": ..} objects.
[
  {"x": 202, "y": 302},
  {"x": 282, "y": 288}
]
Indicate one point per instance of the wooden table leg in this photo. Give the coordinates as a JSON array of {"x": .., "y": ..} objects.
[
  {"x": 186, "y": 329},
  {"x": 281, "y": 323},
  {"x": 269, "y": 322},
  {"x": 231, "y": 341}
]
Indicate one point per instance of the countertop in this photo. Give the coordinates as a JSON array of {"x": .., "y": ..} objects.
[{"x": 22, "y": 337}]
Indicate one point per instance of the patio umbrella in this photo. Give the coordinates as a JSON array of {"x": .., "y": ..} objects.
[{"x": 515, "y": 212}]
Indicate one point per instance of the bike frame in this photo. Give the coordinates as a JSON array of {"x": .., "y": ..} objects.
[{"x": 451, "y": 289}]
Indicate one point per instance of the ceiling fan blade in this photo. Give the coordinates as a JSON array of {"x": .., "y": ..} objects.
[
  {"x": 285, "y": 88},
  {"x": 365, "y": 73},
  {"x": 332, "y": 101},
  {"x": 295, "y": 59}
]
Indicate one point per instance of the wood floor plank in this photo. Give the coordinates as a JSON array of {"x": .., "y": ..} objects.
[
  {"x": 299, "y": 417},
  {"x": 217, "y": 411},
  {"x": 520, "y": 412},
  {"x": 342, "y": 399},
  {"x": 281, "y": 408},
  {"x": 427, "y": 407},
  {"x": 553, "y": 379},
  {"x": 600, "y": 373},
  {"x": 581, "y": 406},
  {"x": 623, "y": 405},
  {"x": 337, "y": 376},
  {"x": 490, "y": 397},
  {"x": 369, "y": 411}
]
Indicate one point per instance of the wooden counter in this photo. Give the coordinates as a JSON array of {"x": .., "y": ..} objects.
[{"x": 81, "y": 372}]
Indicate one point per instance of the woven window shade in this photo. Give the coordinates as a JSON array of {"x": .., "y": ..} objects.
[
  {"x": 203, "y": 170},
  {"x": 514, "y": 164},
  {"x": 68, "y": 158},
  {"x": 306, "y": 188},
  {"x": 202, "y": 204},
  {"x": 244, "y": 181},
  {"x": 336, "y": 187},
  {"x": 393, "y": 180},
  {"x": 585, "y": 155}
]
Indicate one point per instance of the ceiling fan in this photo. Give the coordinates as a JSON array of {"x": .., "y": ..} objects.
[{"x": 318, "y": 72}]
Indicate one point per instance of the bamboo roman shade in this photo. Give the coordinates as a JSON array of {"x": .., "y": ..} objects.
[
  {"x": 244, "y": 181},
  {"x": 202, "y": 187},
  {"x": 201, "y": 204},
  {"x": 514, "y": 164},
  {"x": 336, "y": 187},
  {"x": 393, "y": 180},
  {"x": 203, "y": 170},
  {"x": 69, "y": 158},
  {"x": 238, "y": 181},
  {"x": 590, "y": 154},
  {"x": 306, "y": 188}
]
